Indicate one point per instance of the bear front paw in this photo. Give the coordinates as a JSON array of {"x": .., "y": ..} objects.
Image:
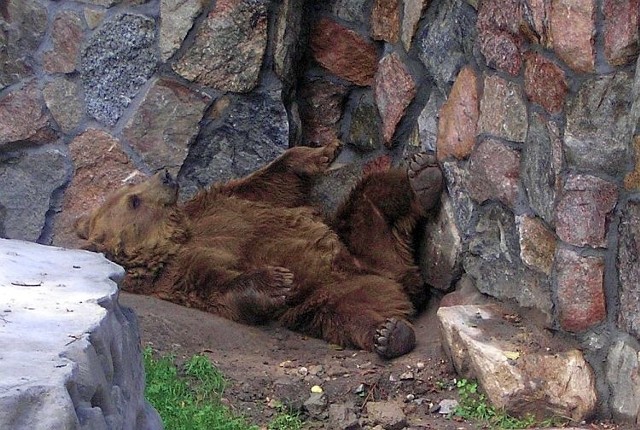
[{"x": 395, "y": 337}]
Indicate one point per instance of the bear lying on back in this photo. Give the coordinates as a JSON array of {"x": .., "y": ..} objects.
[{"x": 253, "y": 250}]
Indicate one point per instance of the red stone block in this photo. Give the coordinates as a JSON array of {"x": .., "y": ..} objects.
[
  {"x": 545, "y": 83},
  {"x": 459, "y": 118},
  {"x": 581, "y": 215},
  {"x": 321, "y": 110},
  {"x": 498, "y": 31},
  {"x": 494, "y": 170},
  {"x": 385, "y": 20},
  {"x": 344, "y": 52},
  {"x": 581, "y": 300},
  {"x": 573, "y": 32},
  {"x": 621, "y": 25},
  {"x": 394, "y": 91}
]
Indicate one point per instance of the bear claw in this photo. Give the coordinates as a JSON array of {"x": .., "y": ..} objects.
[
  {"x": 395, "y": 337},
  {"x": 425, "y": 177}
]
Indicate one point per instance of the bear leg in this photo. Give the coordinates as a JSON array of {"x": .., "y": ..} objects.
[{"x": 287, "y": 180}]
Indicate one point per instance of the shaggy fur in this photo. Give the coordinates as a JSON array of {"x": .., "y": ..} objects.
[{"x": 253, "y": 250}]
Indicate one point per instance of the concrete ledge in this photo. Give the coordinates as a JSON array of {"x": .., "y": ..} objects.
[{"x": 70, "y": 356}]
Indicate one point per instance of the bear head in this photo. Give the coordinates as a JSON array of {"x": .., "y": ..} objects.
[{"x": 139, "y": 226}]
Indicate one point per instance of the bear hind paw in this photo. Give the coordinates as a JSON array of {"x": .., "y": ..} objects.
[
  {"x": 425, "y": 178},
  {"x": 395, "y": 337}
]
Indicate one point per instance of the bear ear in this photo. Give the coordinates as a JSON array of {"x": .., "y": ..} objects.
[{"x": 81, "y": 226}]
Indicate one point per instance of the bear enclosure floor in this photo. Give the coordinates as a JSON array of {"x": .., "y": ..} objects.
[{"x": 266, "y": 364}]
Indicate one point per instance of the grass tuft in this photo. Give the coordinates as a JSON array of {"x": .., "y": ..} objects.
[
  {"x": 473, "y": 406},
  {"x": 189, "y": 400}
]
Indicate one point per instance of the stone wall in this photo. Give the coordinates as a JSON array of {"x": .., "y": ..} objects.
[{"x": 532, "y": 107}]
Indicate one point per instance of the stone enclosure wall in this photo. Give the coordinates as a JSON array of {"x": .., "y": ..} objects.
[{"x": 532, "y": 107}]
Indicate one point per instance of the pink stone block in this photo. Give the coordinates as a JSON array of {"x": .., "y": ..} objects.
[
  {"x": 573, "y": 32},
  {"x": 344, "y": 52},
  {"x": 459, "y": 118},
  {"x": 394, "y": 91},
  {"x": 581, "y": 299},
  {"x": 581, "y": 215}
]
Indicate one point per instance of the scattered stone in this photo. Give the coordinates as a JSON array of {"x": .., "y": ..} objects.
[
  {"x": 176, "y": 19},
  {"x": 316, "y": 404},
  {"x": 598, "y": 129},
  {"x": 628, "y": 267},
  {"x": 303, "y": 371},
  {"x": 621, "y": 23},
  {"x": 459, "y": 118},
  {"x": 495, "y": 173},
  {"x": 583, "y": 209},
  {"x": 572, "y": 24},
  {"x": 116, "y": 61},
  {"x": 478, "y": 339},
  {"x": 29, "y": 181},
  {"x": 74, "y": 358},
  {"x": 387, "y": 414},
  {"x": 445, "y": 46},
  {"x": 394, "y": 91},
  {"x": 580, "y": 290},
  {"x": 67, "y": 35},
  {"x": 407, "y": 376},
  {"x": 315, "y": 369},
  {"x": 343, "y": 52},
  {"x": 228, "y": 48},
  {"x": 446, "y": 406},
  {"x": 343, "y": 417},
  {"x": 165, "y": 123},
  {"x": 503, "y": 112}
]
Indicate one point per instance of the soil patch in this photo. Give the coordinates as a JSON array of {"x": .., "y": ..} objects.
[{"x": 267, "y": 364}]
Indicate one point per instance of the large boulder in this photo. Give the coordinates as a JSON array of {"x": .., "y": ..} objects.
[
  {"x": 520, "y": 368},
  {"x": 70, "y": 355}
]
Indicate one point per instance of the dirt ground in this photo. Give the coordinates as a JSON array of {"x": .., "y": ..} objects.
[{"x": 268, "y": 364}]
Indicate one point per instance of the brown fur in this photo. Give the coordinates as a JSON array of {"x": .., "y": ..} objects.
[{"x": 253, "y": 250}]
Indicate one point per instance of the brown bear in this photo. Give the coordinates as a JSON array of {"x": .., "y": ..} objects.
[{"x": 253, "y": 249}]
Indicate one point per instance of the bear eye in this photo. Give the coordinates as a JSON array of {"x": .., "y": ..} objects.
[{"x": 134, "y": 201}]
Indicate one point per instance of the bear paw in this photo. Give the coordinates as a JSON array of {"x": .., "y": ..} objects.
[
  {"x": 395, "y": 337},
  {"x": 328, "y": 153},
  {"x": 425, "y": 178},
  {"x": 279, "y": 281}
]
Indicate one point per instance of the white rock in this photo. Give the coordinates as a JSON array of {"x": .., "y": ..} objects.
[
  {"x": 70, "y": 356},
  {"x": 519, "y": 367}
]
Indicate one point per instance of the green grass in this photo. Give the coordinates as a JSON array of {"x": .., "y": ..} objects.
[
  {"x": 189, "y": 400},
  {"x": 285, "y": 420},
  {"x": 473, "y": 406}
]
